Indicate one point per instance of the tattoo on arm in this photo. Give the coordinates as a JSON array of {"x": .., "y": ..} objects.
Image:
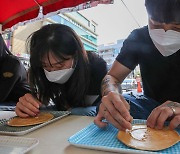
[{"x": 108, "y": 85}]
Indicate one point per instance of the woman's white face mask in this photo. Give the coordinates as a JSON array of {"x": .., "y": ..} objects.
[
  {"x": 59, "y": 76},
  {"x": 167, "y": 42}
]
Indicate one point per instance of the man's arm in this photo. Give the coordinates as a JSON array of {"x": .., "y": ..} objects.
[
  {"x": 114, "y": 78},
  {"x": 114, "y": 108},
  {"x": 109, "y": 83}
]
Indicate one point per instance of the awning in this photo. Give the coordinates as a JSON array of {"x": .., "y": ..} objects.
[{"x": 13, "y": 12}]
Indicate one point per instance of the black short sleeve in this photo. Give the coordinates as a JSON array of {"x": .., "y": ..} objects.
[
  {"x": 160, "y": 75},
  {"x": 128, "y": 55}
]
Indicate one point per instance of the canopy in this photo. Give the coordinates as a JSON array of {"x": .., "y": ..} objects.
[{"x": 15, "y": 11}]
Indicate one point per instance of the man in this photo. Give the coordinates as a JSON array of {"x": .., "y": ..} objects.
[{"x": 156, "y": 48}]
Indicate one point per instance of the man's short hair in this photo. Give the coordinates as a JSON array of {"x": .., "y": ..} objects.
[{"x": 164, "y": 11}]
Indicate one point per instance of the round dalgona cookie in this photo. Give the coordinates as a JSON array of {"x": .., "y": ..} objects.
[
  {"x": 145, "y": 138},
  {"x": 40, "y": 118}
]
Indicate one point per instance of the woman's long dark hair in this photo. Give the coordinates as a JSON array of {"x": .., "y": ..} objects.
[
  {"x": 61, "y": 40},
  {"x": 164, "y": 11}
]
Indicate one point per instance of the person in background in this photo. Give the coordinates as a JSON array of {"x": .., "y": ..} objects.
[
  {"x": 62, "y": 72},
  {"x": 13, "y": 77},
  {"x": 156, "y": 48}
]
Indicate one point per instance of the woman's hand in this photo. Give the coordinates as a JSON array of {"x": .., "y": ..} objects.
[
  {"x": 168, "y": 110},
  {"x": 27, "y": 106},
  {"x": 115, "y": 110}
]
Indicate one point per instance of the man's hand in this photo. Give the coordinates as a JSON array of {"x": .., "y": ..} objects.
[
  {"x": 27, "y": 106},
  {"x": 168, "y": 110},
  {"x": 115, "y": 110}
]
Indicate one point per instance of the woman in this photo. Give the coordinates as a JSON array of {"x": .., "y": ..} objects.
[
  {"x": 13, "y": 77},
  {"x": 62, "y": 72}
]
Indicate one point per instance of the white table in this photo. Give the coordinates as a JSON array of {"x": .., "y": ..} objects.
[{"x": 53, "y": 138}]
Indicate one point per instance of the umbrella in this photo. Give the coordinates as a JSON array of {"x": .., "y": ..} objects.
[{"x": 13, "y": 12}]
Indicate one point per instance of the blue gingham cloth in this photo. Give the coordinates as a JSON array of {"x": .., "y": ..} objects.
[{"x": 93, "y": 137}]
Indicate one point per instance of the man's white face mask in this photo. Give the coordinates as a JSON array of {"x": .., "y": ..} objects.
[
  {"x": 167, "y": 42},
  {"x": 59, "y": 76}
]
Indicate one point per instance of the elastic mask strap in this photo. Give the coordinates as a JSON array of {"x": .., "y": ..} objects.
[{"x": 74, "y": 61}]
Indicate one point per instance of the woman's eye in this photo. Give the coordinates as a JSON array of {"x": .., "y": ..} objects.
[
  {"x": 177, "y": 29},
  {"x": 157, "y": 26},
  {"x": 59, "y": 64}
]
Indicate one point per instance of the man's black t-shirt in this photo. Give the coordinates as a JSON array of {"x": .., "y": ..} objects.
[
  {"x": 160, "y": 75},
  {"x": 13, "y": 79}
]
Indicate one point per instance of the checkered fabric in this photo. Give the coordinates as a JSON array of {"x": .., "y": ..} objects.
[{"x": 93, "y": 137}]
